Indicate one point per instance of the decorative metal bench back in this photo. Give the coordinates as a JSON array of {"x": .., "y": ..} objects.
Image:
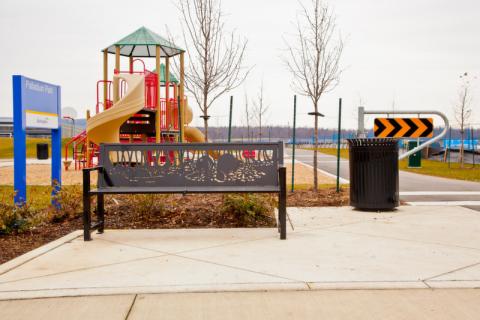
[{"x": 212, "y": 165}]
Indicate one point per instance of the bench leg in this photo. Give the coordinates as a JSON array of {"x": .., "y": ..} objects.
[
  {"x": 282, "y": 202},
  {"x": 87, "y": 220},
  {"x": 100, "y": 212}
]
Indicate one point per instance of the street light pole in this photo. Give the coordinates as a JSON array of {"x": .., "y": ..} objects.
[{"x": 73, "y": 125}]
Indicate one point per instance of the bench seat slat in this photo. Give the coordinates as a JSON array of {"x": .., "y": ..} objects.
[{"x": 225, "y": 189}]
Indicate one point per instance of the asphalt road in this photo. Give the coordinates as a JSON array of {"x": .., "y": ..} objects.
[{"x": 413, "y": 187}]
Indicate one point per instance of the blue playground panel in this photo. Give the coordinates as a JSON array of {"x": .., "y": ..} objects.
[
  {"x": 36, "y": 104},
  {"x": 468, "y": 144}
]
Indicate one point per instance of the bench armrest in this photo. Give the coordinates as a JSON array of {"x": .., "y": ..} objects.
[
  {"x": 86, "y": 177},
  {"x": 98, "y": 168}
]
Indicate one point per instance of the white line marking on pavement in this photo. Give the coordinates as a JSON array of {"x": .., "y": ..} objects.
[
  {"x": 440, "y": 193},
  {"x": 444, "y": 203}
]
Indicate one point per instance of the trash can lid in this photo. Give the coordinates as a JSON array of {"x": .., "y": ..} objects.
[{"x": 366, "y": 142}]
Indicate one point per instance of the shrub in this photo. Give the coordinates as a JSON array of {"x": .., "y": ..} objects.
[
  {"x": 145, "y": 204},
  {"x": 69, "y": 200},
  {"x": 8, "y": 218},
  {"x": 248, "y": 208},
  {"x": 16, "y": 219}
]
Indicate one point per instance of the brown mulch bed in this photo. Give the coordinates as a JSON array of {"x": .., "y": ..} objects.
[
  {"x": 13, "y": 245},
  {"x": 323, "y": 198},
  {"x": 172, "y": 211},
  {"x": 175, "y": 212}
]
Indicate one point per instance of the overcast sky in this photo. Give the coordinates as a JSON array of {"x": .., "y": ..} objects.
[{"x": 406, "y": 54}]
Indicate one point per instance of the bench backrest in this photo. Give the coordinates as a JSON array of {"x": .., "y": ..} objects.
[{"x": 208, "y": 167}]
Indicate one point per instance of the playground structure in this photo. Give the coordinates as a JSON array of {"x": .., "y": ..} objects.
[{"x": 136, "y": 106}]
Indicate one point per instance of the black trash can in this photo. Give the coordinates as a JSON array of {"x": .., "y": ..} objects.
[
  {"x": 374, "y": 174},
  {"x": 42, "y": 151}
]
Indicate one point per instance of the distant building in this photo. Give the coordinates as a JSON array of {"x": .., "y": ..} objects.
[{"x": 6, "y": 129}]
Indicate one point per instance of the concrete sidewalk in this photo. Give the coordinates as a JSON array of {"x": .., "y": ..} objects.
[
  {"x": 407, "y": 304},
  {"x": 330, "y": 248}
]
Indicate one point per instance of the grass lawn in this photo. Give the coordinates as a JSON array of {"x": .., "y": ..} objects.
[
  {"x": 6, "y": 147},
  {"x": 39, "y": 197},
  {"x": 310, "y": 186},
  {"x": 441, "y": 169},
  {"x": 429, "y": 167}
]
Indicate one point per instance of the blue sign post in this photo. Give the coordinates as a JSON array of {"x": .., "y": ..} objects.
[{"x": 36, "y": 104}]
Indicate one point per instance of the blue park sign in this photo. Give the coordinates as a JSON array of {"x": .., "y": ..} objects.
[{"x": 36, "y": 104}]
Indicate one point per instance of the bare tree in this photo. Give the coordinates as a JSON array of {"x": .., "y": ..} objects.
[
  {"x": 248, "y": 116},
  {"x": 314, "y": 59},
  {"x": 463, "y": 112},
  {"x": 215, "y": 59},
  {"x": 260, "y": 108},
  {"x": 394, "y": 104}
]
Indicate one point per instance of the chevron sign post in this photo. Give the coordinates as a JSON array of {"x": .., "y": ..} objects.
[{"x": 403, "y": 127}]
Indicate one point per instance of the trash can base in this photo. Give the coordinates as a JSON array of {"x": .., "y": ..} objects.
[{"x": 369, "y": 209}]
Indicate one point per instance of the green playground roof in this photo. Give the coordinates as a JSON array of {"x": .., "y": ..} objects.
[
  {"x": 142, "y": 43},
  {"x": 173, "y": 79}
]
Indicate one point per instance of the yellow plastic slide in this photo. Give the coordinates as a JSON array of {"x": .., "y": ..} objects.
[
  {"x": 105, "y": 126},
  {"x": 192, "y": 134}
]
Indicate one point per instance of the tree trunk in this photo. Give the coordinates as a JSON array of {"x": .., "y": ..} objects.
[
  {"x": 462, "y": 151},
  {"x": 205, "y": 114},
  {"x": 205, "y": 125},
  {"x": 260, "y": 124},
  {"x": 315, "y": 151}
]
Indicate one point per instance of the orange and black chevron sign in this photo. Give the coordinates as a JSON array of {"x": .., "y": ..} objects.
[{"x": 403, "y": 127}]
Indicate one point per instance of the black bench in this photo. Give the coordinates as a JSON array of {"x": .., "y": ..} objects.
[{"x": 185, "y": 168}]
